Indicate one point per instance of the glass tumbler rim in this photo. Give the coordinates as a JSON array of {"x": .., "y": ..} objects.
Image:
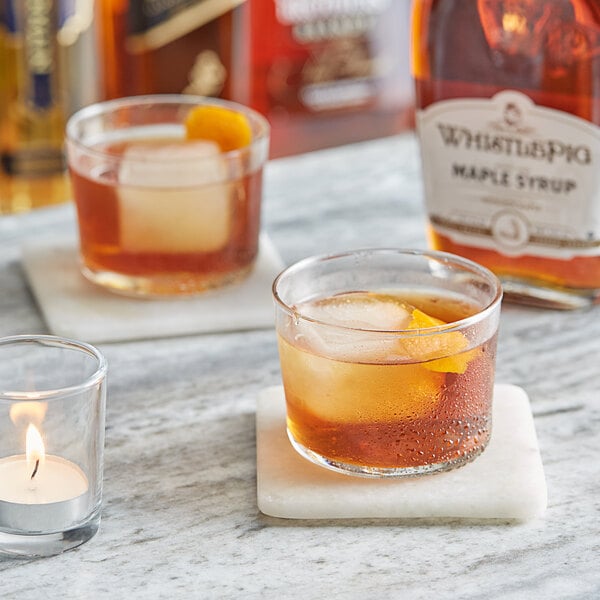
[
  {"x": 107, "y": 106},
  {"x": 443, "y": 257},
  {"x": 88, "y": 382}
]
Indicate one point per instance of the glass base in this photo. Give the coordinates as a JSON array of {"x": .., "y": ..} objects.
[
  {"x": 165, "y": 285},
  {"x": 24, "y": 545},
  {"x": 379, "y": 472},
  {"x": 523, "y": 291}
]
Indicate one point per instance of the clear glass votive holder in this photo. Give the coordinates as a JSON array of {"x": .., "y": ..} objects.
[
  {"x": 388, "y": 359},
  {"x": 52, "y": 415}
]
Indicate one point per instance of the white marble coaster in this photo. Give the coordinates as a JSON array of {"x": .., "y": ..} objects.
[
  {"x": 74, "y": 307},
  {"x": 506, "y": 482}
]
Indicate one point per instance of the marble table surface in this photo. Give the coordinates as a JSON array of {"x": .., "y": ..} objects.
[{"x": 180, "y": 518}]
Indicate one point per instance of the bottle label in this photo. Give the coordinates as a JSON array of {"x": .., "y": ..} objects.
[
  {"x": 34, "y": 24},
  {"x": 342, "y": 65},
  {"x": 33, "y": 122},
  {"x": 156, "y": 23},
  {"x": 509, "y": 175}
]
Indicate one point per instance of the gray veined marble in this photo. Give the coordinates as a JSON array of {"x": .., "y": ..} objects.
[{"x": 180, "y": 518}]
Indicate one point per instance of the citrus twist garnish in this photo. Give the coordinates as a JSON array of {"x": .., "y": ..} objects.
[
  {"x": 230, "y": 129},
  {"x": 450, "y": 347}
]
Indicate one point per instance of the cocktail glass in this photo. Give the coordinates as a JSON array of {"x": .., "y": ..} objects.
[
  {"x": 159, "y": 213},
  {"x": 387, "y": 359}
]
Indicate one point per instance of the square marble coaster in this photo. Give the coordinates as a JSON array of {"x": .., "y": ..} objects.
[
  {"x": 74, "y": 307},
  {"x": 506, "y": 482}
]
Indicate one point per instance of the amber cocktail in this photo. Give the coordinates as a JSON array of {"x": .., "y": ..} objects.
[
  {"x": 387, "y": 359},
  {"x": 168, "y": 192}
]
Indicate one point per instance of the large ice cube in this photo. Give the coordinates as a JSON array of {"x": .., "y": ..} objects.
[
  {"x": 360, "y": 310},
  {"x": 368, "y": 316},
  {"x": 174, "y": 198}
]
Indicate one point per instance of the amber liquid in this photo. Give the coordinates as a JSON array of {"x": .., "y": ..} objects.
[
  {"x": 384, "y": 412},
  {"x": 108, "y": 261},
  {"x": 559, "y": 70}
]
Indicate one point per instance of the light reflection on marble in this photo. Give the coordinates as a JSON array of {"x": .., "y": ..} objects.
[{"x": 180, "y": 517}]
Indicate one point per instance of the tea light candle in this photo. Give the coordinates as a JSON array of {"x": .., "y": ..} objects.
[
  {"x": 52, "y": 407},
  {"x": 40, "y": 492}
]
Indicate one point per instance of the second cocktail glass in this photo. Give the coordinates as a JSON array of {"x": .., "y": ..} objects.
[{"x": 167, "y": 203}]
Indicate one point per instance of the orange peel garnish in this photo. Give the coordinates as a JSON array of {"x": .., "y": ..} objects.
[
  {"x": 444, "y": 352},
  {"x": 228, "y": 128}
]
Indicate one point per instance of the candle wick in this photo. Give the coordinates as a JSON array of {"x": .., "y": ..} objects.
[{"x": 35, "y": 469}]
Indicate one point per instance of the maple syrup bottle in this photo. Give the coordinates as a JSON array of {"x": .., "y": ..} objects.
[{"x": 508, "y": 116}]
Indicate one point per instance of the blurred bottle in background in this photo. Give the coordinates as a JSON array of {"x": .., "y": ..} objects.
[
  {"x": 508, "y": 99},
  {"x": 47, "y": 70},
  {"x": 324, "y": 73},
  {"x": 156, "y": 47}
]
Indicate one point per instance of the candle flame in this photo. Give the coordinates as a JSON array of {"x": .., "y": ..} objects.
[
  {"x": 28, "y": 411},
  {"x": 34, "y": 447},
  {"x": 514, "y": 23}
]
